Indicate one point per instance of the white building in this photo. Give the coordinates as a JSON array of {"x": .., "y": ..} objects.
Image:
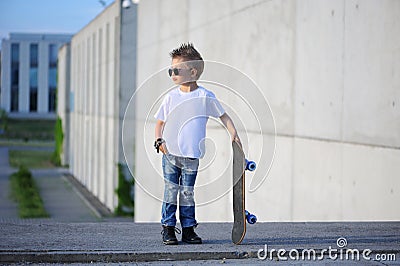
[
  {"x": 95, "y": 86},
  {"x": 29, "y": 74}
]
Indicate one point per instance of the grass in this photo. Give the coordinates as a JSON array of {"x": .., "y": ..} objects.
[
  {"x": 25, "y": 192},
  {"x": 28, "y": 129},
  {"x": 30, "y": 158}
]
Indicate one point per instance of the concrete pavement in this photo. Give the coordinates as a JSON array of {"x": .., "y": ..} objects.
[
  {"x": 51, "y": 242},
  {"x": 75, "y": 234}
]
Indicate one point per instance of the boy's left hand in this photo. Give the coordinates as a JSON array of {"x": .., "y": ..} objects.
[{"x": 237, "y": 140}]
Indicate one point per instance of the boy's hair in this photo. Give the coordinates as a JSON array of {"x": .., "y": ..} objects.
[{"x": 189, "y": 53}]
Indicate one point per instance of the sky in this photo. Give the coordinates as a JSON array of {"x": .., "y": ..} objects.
[{"x": 47, "y": 16}]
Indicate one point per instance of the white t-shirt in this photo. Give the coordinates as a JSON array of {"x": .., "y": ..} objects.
[{"x": 185, "y": 115}]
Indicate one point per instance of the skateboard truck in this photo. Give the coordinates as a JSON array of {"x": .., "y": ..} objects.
[
  {"x": 250, "y": 165},
  {"x": 250, "y": 218}
]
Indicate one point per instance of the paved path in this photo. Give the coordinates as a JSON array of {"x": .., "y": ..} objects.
[
  {"x": 130, "y": 242},
  {"x": 60, "y": 199},
  {"x": 8, "y": 208}
]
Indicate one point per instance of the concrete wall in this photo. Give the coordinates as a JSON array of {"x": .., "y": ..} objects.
[
  {"x": 127, "y": 76},
  {"x": 103, "y": 77},
  {"x": 95, "y": 113},
  {"x": 63, "y": 97},
  {"x": 331, "y": 73}
]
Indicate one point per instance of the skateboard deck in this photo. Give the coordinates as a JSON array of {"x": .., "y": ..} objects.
[{"x": 239, "y": 212}]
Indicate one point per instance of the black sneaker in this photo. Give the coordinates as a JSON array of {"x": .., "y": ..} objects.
[
  {"x": 168, "y": 235},
  {"x": 189, "y": 236}
]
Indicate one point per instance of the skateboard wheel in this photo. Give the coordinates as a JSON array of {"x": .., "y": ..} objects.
[
  {"x": 250, "y": 218},
  {"x": 250, "y": 165}
]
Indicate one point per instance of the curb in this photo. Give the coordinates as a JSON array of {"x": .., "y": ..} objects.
[
  {"x": 114, "y": 256},
  {"x": 130, "y": 256}
]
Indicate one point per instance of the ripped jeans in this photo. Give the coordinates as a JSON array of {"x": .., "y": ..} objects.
[{"x": 179, "y": 178}]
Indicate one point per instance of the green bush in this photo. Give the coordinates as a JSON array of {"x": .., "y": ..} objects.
[
  {"x": 124, "y": 192},
  {"x": 58, "y": 136},
  {"x": 25, "y": 192}
]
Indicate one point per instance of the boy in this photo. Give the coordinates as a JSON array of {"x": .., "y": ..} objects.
[{"x": 180, "y": 132}]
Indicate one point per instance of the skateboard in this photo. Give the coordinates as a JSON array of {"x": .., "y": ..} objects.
[{"x": 240, "y": 214}]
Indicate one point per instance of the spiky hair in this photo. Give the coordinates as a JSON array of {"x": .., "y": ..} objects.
[{"x": 189, "y": 53}]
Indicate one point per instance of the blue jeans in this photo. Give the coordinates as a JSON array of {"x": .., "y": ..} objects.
[{"x": 179, "y": 178}]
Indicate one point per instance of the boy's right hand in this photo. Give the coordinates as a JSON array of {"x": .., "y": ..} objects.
[
  {"x": 159, "y": 145},
  {"x": 163, "y": 148}
]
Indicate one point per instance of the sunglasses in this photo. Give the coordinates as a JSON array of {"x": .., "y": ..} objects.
[{"x": 176, "y": 71}]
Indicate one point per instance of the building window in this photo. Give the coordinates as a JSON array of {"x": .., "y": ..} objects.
[
  {"x": 53, "y": 55},
  {"x": 34, "y": 55},
  {"x": 52, "y": 99},
  {"x": 52, "y": 89},
  {"x": 33, "y": 102},
  {"x": 33, "y": 77},
  {"x": 52, "y": 77},
  {"x": 14, "y": 77}
]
